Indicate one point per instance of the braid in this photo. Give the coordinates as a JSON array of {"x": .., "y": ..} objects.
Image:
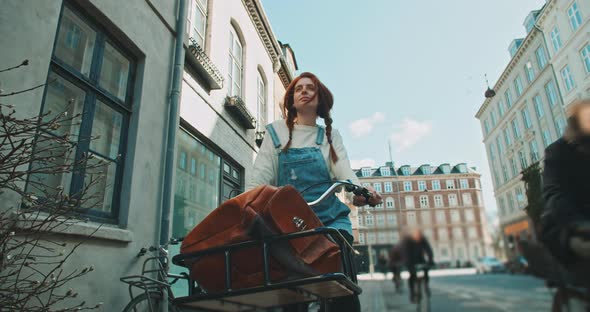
[
  {"x": 328, "y": 122},
  {"x": 291, "y": 113}
]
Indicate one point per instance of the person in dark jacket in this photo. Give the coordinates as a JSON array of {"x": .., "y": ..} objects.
[
  {"x": 416, "y": 247},
  {"x": 396, "y": 261},
  {"x": 565, "y": 222}
]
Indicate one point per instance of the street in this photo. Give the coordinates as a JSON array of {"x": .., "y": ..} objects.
[{"x": 460, "y": 290}]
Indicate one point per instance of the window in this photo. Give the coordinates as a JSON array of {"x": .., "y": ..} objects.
[
  {"x": 409, "y": 202},
  {"x": 556, "y": 39},
  {"x": 407, "y": 186},
  {"x": 464, "y": 183},
  {"x": 389, "y": 203},
  {"x": 546, "y": 137},
  {"x": 197, "y": 21},
  {"x": 411, "y": 218},
  {"x": 425, "y": 216},
  {"x": 530, "y": 71},
  {"x": 458, "y": 234},
  {"x": 467, "y": 200},
  {"x": 377, "y": 187},
  {"x": 406, "y": 171},
  {"x": 539, "y": 106},
  {"x": 428, "y": 234},
  {"x": 446, "y": 168},
  {"x": 391, "y": 219},
  {"x": 369, "y": 220},
  {"x": 560, "y": 125},
  {"x": 501, "y": 109},
  {"x": 382, "y": 237},
  {"x": 511, "y": 202},
  {"x": 455, "y": 216},
  {"x": 515, "y": 129},
  {"x": 426, "y": 170},
  {"x": 422, "y": 185},
  {"x": 198, "y": 194},
  {"x": 518, "y": 86},
  {"x": 499, "y": 143},
  {"x": 261, "y": 102},
  {"x": 360, "y": 219},
  {"x": 438, "y": 201},
  {"x": 394, "y": 236},
  {"x": 366, "y": 172},
  {"x": 514, "y": 167},
  {"x": 534, "y": 151},
  {"x": 235, "y": 71},
  {"x": 388, "y": 187},
  {"x": 477, "y": 184},
  {"x": 443, "y": 234},
  {"x": 362, "y": 238},
  {"x": 380, "y": 220},
  {"x": 424, "y": 201},
  {"x": 371, "y": 238},
  {"x": 82, "y": 52},
  {"x": 574, "y": 16},
  {"x": 379, "y": 206},
  {"x": 523, "y": 161},
  {"x": 551, "y": 94},
  {"x": 385, "y": 171},
  {"x": 450, "y": 184},
  {"x": 492, "y": 151},
  {"x": 469, "y": 216},
  {"x": 541, "y": 57},
  {"x": 526, "y": 118},
  {"x": 441, "y": 217},
  {"x": 520, "y": 199},
  {"x": 486, "y": 127},
  {"x": 472, "y": 233},
  {"x": 507, "y": 138},
  {"x": 452, "y": 200},
  {"x": 508, "y": 98},
  {"x": 502, "y": 207},
  {"x": 365, "y": 184},
  {"x": 494, "y": 118},
  {"x": 586, "y": 57},
  {"x": 436, "y": 185},
  {"x": 505, "y": 173},
  {"x": 568, "y": 79}
]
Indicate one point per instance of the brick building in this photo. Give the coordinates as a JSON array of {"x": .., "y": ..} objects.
[{"x": 444, "y": 201}]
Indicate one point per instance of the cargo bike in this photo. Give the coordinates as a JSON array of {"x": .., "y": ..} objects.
[{"x": 152, "y": 289}]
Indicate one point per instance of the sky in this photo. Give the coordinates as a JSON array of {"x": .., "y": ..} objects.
[{"x": 411, "y": 72}]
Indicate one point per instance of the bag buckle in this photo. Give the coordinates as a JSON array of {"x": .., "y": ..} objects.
[{"x": 299, "y": 223}]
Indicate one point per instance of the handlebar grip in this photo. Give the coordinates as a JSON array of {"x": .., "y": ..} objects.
[{"x": 360, "y": 191}]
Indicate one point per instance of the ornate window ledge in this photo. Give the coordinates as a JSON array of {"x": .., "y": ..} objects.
[
  {"x": 203, "y": 64},
  {"x": 236, "y": 106}
]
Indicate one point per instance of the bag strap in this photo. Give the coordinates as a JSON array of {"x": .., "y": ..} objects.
[
  {"x": 274, "y": 136},
  {"x": 320, "y": 138}
]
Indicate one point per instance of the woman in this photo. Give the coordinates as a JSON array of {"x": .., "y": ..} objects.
[
  {"x": 566, "y": 192},
  {"x": 299, "y": 152}
]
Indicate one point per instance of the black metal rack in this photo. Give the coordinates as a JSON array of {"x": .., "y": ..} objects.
[{"x": 271, "y": 294}]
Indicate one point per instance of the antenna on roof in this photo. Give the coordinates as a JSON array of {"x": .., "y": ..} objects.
[
  {"x": 490, "y": 93},
  {"x": 390, "y": 155}
]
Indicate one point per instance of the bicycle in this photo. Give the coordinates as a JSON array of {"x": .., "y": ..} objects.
[
  {"x": 420, "y": 286},
  {"x": 158, "y": 291},
  {"x": 155, "y": 291}
]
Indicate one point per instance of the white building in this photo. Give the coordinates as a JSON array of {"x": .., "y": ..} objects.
[{"x": 528, "y": 110}]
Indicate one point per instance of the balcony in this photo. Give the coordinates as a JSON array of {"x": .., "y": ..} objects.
[
  {"x": 237, "y": 108},
  {"x": 203, "y": 65}
]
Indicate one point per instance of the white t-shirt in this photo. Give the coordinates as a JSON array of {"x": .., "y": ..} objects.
[{"x": 266, "y": 165}]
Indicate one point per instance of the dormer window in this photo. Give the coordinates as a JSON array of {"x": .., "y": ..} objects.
[
  {"x": 366, "y": 172},
  {"x": 406, "y": 171},
  {"x": 426, "y": 170},
  {"x": 462, "y": 168},
  {"x": 385, "y": 171},
  {"x": 446, "y": 169}
]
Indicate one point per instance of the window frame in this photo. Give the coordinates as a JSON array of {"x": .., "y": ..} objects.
[
  {"x": 585, "y": 54},
  {"x": 232, "y": 58},
  {"x": 556, "y": 39},
  {"x": 568, "y": 79},
  {"x": 574, "y": 16}
]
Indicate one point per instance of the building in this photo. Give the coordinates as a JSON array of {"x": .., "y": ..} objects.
[
  {"x": 444, "y": 201},
  {"x": 527, "y": 109},
  {"x": 104, "y": 61}
]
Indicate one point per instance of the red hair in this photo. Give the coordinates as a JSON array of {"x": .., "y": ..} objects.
[{"x": 325, "y": 104}]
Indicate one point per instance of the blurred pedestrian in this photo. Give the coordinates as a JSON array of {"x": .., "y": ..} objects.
[
  {"x": 417, "y": 250},
  {"x": 396, "y": 261},
  {"x": 382, "y": 264},
  {"x": 565, "y": 222}
]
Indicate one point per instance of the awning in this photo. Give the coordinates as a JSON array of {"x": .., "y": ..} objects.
[{"x": 516, "y": 227}]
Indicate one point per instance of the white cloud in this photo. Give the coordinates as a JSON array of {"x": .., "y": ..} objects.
[
  {"x": 367, "y": 162},
  {"x": 364, "y": 126},
  {"x": 409, "y": 133}
]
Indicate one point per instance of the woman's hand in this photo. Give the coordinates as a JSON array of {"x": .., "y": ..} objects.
[{"x": 373, "y": 201}]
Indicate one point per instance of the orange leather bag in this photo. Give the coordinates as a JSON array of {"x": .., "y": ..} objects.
[{"x": 265, "y": 210}]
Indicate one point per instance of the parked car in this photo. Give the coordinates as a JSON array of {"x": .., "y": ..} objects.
[
  {"x": 518, "y": 264},
  {"x": 489, "y": 265}
]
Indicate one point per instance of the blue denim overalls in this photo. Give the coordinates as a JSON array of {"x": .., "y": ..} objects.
[{"x": 303, "y": 167}]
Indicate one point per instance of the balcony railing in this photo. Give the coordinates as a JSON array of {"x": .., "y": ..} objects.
[
  {"x": 237, "y": 108},
  {"x": 204, "y": 66}
]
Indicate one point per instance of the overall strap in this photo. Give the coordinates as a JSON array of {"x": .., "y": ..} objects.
[
  {"x": 320, "y": 138},
  {"x": 274, "y": 136}
]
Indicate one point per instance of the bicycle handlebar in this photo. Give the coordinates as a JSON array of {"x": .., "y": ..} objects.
[{"x": 349, "y": 187}]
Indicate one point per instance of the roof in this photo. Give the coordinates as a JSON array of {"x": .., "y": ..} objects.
[{"x": 416, "y": 171}]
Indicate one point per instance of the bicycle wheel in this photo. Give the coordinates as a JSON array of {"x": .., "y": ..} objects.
[{"x": 142, "y": 303}]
